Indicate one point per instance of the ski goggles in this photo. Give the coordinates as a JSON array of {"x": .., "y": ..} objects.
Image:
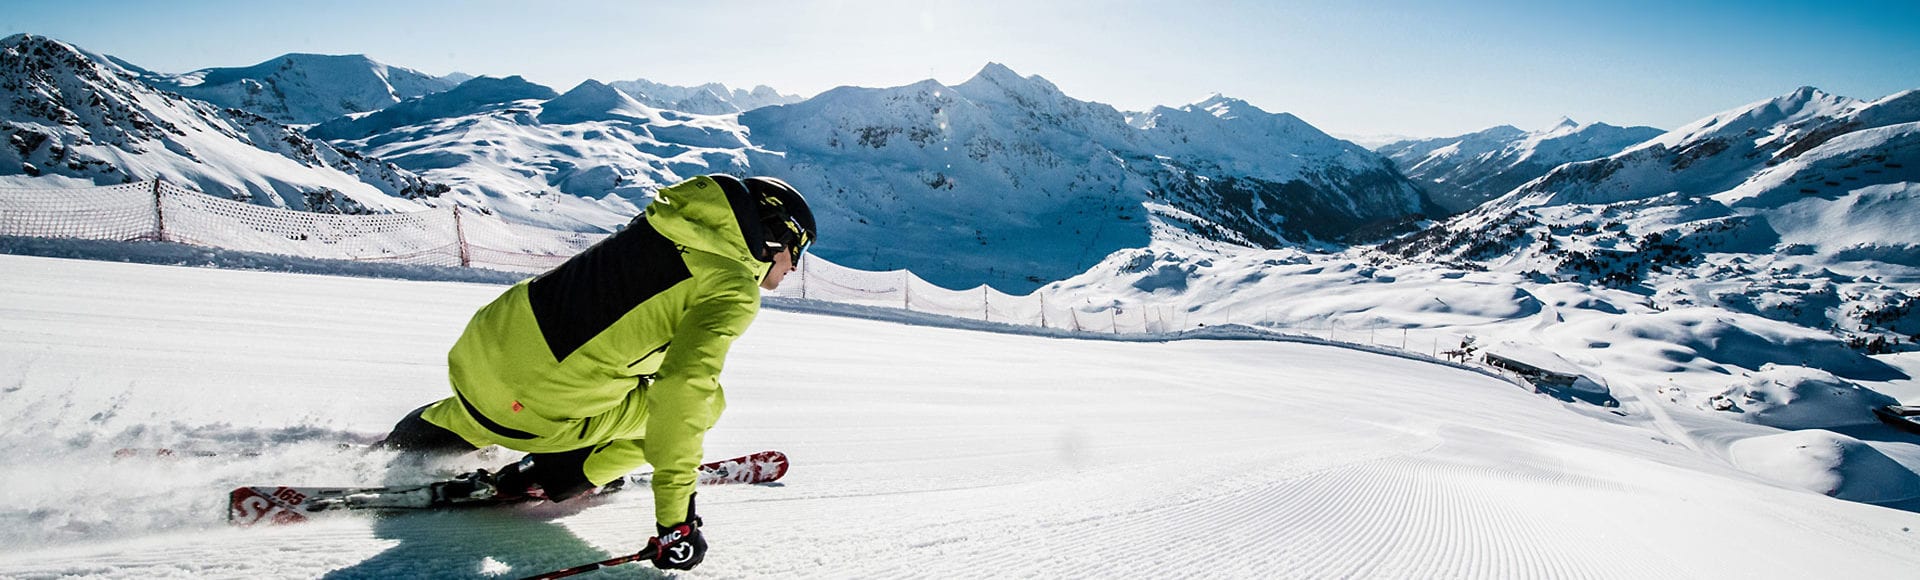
[{"x": 792, "y": 237}]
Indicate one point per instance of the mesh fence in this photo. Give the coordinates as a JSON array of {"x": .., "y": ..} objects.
[
  {"x": 425, "y": 237},
  {"x": 453, "y": 237},
  {"x": 449, "y": 236},
  {"x": 822, "y": 280},
  {"x": 114, "y": 212}
]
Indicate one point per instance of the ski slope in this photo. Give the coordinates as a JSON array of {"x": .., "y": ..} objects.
[{"x": 919, "y": 451}]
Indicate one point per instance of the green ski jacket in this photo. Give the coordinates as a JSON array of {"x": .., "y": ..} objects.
[{"x": 620, "y": 348}]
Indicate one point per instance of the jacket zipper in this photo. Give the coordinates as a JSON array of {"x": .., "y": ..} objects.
[{"x": 643, "y": 358}]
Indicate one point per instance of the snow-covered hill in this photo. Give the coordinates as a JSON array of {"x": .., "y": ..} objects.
[
  {"x": 1799, "y": 209},
  {"x": 707, "y": 99},
  {"x": 1463, "y": 172},
  {"x": 73, "y": 118},
  {"x": 957, "y": 453},
  {"x": 298, "y": 89}
]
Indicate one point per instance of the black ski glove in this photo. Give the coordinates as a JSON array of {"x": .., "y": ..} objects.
[{"x": 679, "y": 546}]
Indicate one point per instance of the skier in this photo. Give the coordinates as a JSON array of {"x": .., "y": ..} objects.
[{"x": 611, "y": 360}]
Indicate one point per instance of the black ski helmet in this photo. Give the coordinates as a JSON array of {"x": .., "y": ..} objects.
[{"x": 784, "y": 216}]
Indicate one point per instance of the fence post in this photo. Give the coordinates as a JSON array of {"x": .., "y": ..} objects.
[
  {"x": 159, "y": 212},
  {"x": 1043, "y": 309},
  {"x": 986, "y": 304},
  {"x": 906, "y": 290},
  {"x": 460, "y": 232}
]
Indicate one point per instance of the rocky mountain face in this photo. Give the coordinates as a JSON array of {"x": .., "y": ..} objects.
[
  {"x": 84, "y": 118},
  {"x": 1799, "y": 208},
  {"x": 302, "y": 89},
  {"x": 1463, "y": 172}
]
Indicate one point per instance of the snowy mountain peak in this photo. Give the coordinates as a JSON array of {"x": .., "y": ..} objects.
[
  {"x": 73, "y": 115},
  {"x": 1811, "y": 100},
  {"x": 596, "y": 101},
  {"x": 1225, "y": 107},
  {"x": 1718, "y": 152},
  {"x": 998, "y": 77},
  {"x": 303, "y": 88},
  {"x": 996, "y": 73},
  {"x": 470, "y": 97},
  {"x": 32, "y": 49},
  {"x": 1463, "y": 172},
  {"x": 1796, "y": 208},
  {"x": 705, "y": 99},
  {"x": 335, "y": 66}
]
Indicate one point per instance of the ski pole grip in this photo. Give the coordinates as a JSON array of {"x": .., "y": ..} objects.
[{"x": 645, "y": 554}]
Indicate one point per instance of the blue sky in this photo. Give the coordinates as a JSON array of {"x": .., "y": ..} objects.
[{"x": 1398, "y": 67}]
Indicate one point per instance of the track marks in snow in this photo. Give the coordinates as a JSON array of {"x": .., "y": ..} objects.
[{"x": 1412, "y": 516}]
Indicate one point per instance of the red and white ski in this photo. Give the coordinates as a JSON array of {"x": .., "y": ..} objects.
[{"x": 248, "y": 506}]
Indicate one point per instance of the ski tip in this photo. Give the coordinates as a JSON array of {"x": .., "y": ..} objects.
[{"x": 779, "y": 460}]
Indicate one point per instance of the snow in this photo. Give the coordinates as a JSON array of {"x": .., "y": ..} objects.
[
  {"x": 1305, "y": 427},
  {"x": 1464, "y": 171},
  {"x": 919, "y": 450},
  {"x": 304, "y": 88},
  {"x": 1829, "y": 463},
  {"x": 90, "y": 120},
  {"x": 1792, "y": 397},
  {"x": 1038, "y": 186},
  {"x": 706, "y": 99}
]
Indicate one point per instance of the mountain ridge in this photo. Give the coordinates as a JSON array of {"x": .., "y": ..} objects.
[
  {"x": 70, "y": 114},
  {"x": 1796, "y": 208},
  {"x": 303, "y": 89},
  {"x": 1464, "y": 171}
]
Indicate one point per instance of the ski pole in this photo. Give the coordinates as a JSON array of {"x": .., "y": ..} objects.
[{"x": 646, "y": 554}]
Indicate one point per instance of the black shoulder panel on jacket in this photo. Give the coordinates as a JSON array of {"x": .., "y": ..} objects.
[
  {"x": 591, "y": 291},
  {"x": 746, "y": 210}
]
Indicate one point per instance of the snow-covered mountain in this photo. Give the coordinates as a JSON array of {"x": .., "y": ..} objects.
[
  {"x": 583, "y": 160},
  {"x": 1002, "y": 179},
  {"x": 1799, "y": 208},
  {"x": 70, "y": 116},
  {"x": 1273, "y": 177},
  {"x": 1465, "y": 171},
  {"x": 1006, "y": 179},
  {"x": 470, "y": 97},
  {"x": 304, "y": 88},
  {"x": 707, "y": 99}
]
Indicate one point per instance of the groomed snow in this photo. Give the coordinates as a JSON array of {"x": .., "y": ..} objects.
[{"x": 919, "y": 451}]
